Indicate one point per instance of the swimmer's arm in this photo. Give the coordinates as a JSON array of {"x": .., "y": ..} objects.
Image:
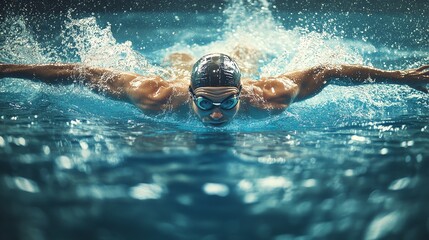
[
  {"x": 147, "y": 92},
  {"x": 104, "y": 80},
  {"x": 311, "y": 81},
  {"x": 416, "y": 78}
]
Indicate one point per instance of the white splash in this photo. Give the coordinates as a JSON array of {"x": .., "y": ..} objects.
[{"x": 18, "y": 43}]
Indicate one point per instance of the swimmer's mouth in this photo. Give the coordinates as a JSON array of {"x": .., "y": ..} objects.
[{"x": 218, "y": 124}]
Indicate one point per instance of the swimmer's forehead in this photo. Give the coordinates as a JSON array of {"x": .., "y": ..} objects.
[{"x": 216, "y": 93}]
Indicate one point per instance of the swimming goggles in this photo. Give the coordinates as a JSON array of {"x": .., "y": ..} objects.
[{"x": 207, "y": 104}]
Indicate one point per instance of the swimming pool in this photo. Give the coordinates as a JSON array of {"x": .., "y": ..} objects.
[{"x": 350, "y": 163}]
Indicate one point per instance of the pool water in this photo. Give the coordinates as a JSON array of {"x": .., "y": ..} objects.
[{"x": 349, "y": 163}]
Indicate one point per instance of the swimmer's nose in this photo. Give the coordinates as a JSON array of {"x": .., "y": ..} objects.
[{"x": 216, "y": 114}]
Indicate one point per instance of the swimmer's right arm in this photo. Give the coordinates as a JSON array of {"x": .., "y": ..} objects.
[
  {"x": 150, "y": 93},
  {"x": 99, "y": 79}
]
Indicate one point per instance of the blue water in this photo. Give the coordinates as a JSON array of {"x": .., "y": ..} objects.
[{"x": 350, "y": 163}]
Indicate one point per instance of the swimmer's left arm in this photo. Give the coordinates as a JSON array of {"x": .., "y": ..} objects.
[
  {"x": 416, "y": 78},
  {"x": 311, "y": 81}
]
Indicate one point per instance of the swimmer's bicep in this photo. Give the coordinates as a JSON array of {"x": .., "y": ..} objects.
[
  {"x": 310, "y": 76},
  {"x": 310, "y": 81}
]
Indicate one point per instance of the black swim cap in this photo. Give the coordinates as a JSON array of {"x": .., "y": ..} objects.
[{"x": 215, "y": 70}]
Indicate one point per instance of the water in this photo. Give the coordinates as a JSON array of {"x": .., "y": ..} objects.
[{"x": 350, "y": 163}]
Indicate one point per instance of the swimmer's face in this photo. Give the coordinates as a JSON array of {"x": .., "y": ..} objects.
[{"x": 216, "y": 106}]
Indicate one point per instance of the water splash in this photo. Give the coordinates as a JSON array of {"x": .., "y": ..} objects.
[
  {"x": 96, "y": 46},
  {"x": 254, "y": 36},
  {"x": 18, "y": 44},
  {"x": 264, "y": 46},
  {"x": 312, "y": 49}
]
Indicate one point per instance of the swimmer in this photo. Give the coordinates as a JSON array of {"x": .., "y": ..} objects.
[{"x": 216, "y": 91}]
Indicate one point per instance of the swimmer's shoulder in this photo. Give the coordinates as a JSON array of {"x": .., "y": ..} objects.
[
  {"x": 269, "y": 93},
  {"x": 154, "y": 94}
]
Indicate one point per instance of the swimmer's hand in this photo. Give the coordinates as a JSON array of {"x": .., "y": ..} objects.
[{"x": 417, "y": 78}]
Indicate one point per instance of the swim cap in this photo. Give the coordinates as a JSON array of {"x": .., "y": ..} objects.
[{"x": 215, "y": 70}]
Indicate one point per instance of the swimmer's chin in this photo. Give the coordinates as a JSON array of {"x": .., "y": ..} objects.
[{"x": 216, "y": 124}]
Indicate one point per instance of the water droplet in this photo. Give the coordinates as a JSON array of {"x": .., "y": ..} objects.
[
  {"x": 400, "y": 184},
  {"x": 419, "y": 157},
  {"x": 145, "y": 191},
  {"x": 20, "y": 141},
  {"x": 220, "y": 190},
  {"x": 273, "y": 182},
  {"x": 358, "y": 138},
  {"x": 349, "y": 172},
  {"x": 382, "y": 225},
  {"x": 83, "y": 145},
  {"x": 26, "y": 185},
  {"x": 64, "y": 162},
  {"x": 309, "y": 183},
  {"x": 185, "y": 200},
  {"x": 46, "y": 150},
  {"x": 245, "y": 185},
  {"x": 321, "y": 229},
  {"x": 85, "y": 153},
  {"x": 250, "y": 198}
]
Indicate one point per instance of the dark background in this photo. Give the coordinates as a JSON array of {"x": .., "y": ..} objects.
[{"x": 89, "y": 6}]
